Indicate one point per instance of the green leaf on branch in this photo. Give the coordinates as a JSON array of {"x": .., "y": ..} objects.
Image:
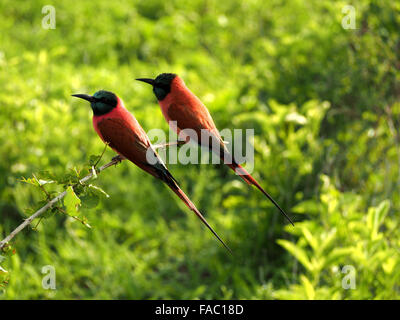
[
  {"x": 67, "y": 178},
  {"x": 71, "y": 202},
  {"x": 46, "y": 175},
  {"x": 71, "y": 177},
  {"x": 90, "y": 200},
  {"x": 93, "y": 169},
  {"x": 43, "y": 182},
  {"x": 98, "y": 191},
  {"x": 49, "y": 213},
  {"x": 32, "y": 181}
]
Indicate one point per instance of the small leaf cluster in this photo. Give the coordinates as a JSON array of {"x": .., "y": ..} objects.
[{"x": 77, "y": 194}]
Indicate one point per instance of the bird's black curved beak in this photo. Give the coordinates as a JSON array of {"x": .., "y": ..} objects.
[
  {"x": 149, "y": 81},
  {"x": 84, "y": 96}
]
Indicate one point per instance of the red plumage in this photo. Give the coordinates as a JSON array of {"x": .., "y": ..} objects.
[
  {"x": 120, "y": 129},
  {"x": 187, "y": 110}
]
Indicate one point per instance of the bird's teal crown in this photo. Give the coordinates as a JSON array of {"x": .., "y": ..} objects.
[
  {"x": 162, "y": 85},
  {"x": 103, "y": 102}
]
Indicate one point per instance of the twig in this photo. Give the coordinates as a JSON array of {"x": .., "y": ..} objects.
[
  {"x": 102, "y": 154},
  {"x": 168, "y": 144},
  {"x": 74, "y": 217},
  {"x": 177, "y": 143},
  {"x": 42, "y": 210},
  {"x": 50, "y": 204}
]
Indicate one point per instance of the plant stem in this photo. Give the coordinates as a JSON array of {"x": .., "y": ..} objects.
[
  {"x": 42, "y": 210},
  {"x": 50, "y": 204}
]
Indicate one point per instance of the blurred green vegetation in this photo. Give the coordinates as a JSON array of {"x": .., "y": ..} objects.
[{"x": 324, "y": 103}]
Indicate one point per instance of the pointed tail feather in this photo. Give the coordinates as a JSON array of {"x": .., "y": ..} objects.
[
  {"x": 192, "y": 207},
  {"x": 250, "y": 180},
  {"x": 161, "y": 172}
]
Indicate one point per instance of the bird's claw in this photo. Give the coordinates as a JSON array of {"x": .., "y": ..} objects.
[{"x": 117, "y": 159}]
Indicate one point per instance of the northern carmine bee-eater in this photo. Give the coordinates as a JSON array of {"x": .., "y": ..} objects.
[
  {"x": 117, "y": 127},
  {"x": 183, "y": 110}
]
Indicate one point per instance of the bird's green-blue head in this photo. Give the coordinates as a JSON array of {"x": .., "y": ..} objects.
[
  {"x": 161, "y": 84},
  {"x": 102, "y": 102}
]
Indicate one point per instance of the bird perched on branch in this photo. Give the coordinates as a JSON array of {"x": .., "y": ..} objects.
[
  {"x": 117, "y": 127},
  {"x": 183, "y": 110}
]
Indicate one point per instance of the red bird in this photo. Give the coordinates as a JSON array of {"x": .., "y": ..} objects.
[
  {"x": 119, "y": 128},
  {"x": 179, "y": 104}
]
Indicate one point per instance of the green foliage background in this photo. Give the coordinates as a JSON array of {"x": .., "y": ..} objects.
[{"x": 324, "y": 103}]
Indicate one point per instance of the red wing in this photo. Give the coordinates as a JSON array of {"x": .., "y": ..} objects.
[
  {"x": 133, "y": 144},
  {"x": 124, "y": 139},
  {"x": 197, "y": 118}
]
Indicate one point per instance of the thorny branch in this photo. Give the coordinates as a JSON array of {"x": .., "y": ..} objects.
[{"x": 52, "y": 202}]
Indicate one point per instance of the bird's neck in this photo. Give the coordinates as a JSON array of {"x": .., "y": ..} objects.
[{"x": 118, "y": 111}]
